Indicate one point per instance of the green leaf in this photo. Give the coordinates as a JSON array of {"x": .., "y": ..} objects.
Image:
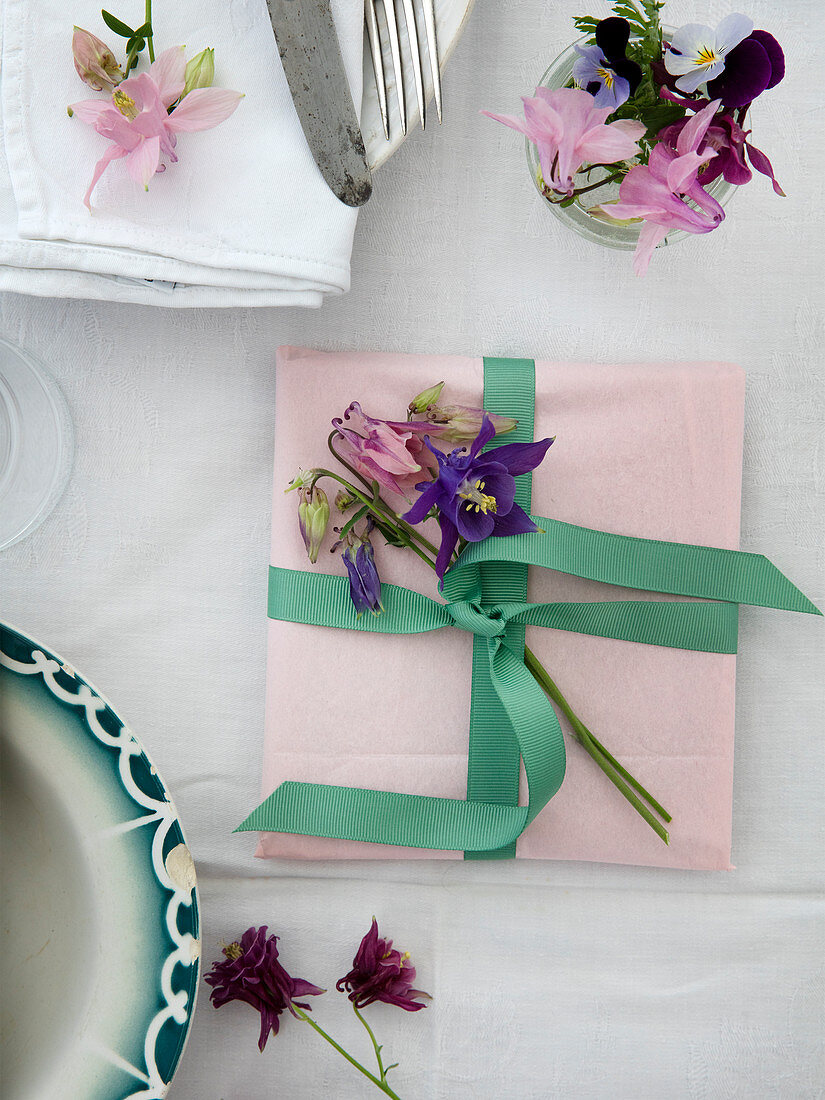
[
  {"x": 116, "y": 25},
  {"x": 145, "y": 30}
]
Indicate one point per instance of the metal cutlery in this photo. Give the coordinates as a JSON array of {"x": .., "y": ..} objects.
[{"x": 393, "y": 34}]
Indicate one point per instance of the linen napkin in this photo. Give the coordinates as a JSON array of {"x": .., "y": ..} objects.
[
  {"x": 243, "y": 218},
  {"x": 650, "y": 450}
]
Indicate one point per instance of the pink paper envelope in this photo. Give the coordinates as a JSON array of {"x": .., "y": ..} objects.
[{"x": 649, "y": 450}]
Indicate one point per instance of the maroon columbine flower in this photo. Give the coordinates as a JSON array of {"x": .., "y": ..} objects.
[
  {"x": 727, "y": 139},
  {"x": 474, "y": 493},
  {"x": 251, "y": 972},
  {"x": 381, "y": 973}
]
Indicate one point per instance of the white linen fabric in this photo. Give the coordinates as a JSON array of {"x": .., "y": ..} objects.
[
  {"x": 243, "y": 218},
  {"x": 575, "y": 980}
]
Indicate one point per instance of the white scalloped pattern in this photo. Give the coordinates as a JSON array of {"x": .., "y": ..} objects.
[{"x": 186, "y": 950}]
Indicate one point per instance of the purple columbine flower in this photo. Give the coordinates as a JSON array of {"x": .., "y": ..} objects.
[
  {"x": 603, "y": 69},
  {"x": 474, "y": 493},
  {"x": 251, "y": 972},
  {"x": 752, "y": 67},
  {"x": 381, "y": 973},
  {"x": 728, "y": 140},
  {"x": 364, "y": 582}
]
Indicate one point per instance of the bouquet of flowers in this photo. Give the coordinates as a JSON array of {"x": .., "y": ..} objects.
[
  {"x": 435, "y": 466},
  {"x": 678, "y": 106}
]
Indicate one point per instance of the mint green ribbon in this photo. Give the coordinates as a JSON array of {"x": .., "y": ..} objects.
[{"x": 511, "y": 717}]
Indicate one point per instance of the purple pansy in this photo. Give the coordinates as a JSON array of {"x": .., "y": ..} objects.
[
  {"x": 752, "y": 67},
  {"x": 251, "y": 972},
  {"x": 381, "y": 973},
  {"x": 603, "y": 69},
  {"x": 474, "y": 493}
]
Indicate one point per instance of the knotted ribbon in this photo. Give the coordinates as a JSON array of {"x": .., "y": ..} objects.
[{"x": 512, "y": 719}]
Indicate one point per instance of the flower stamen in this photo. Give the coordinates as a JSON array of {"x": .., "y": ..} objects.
[
  {"x": 477, "y": 501},
  {"x": 125, "y": 104}
]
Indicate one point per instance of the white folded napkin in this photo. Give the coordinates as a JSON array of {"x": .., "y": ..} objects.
[{"x": 243, "y": 218}]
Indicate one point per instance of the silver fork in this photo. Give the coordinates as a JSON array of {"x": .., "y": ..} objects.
[{"x": 393, "y": 36}]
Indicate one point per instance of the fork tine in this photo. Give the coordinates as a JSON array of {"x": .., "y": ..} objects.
[
  {"x": 432, "y": 46},
  {"x": 412, "y": 34},
  {"x": 377, "y": 63},
  {"x": 395, "y": 50}
]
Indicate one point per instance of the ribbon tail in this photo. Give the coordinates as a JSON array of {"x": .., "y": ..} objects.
[{"x": 385, "y": 817}]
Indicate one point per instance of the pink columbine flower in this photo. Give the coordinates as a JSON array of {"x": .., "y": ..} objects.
[
  {"x": 569, "y": 131},
  {"x": 138, "y": 122},
  {"x": 390, "y": 452},
  {"x": 656, "y": 191}
]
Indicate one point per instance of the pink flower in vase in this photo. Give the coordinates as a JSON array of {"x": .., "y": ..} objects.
[
  {"x": 656, "y": 191},
  {"x": 568, "y": 131},
  {"x": 142, "y": 123}
]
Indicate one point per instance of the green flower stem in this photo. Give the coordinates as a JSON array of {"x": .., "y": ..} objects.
[
  {"x": 380, "y": 509},
  {"x": 379, "y": 1083},
  {"x": 609, "y": 765},
  {"x": 377, "y": 497},
  {"x": 375, "y": 1045},
  {"x": 148, "y": 19}
]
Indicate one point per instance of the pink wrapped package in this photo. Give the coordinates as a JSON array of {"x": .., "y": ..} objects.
[{"x": 649, "y": 450}]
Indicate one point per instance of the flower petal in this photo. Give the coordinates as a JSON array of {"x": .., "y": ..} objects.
[
  {"x": 605, "y": 144},
  {"x": 747, "y": 74},
  {"x": 649, "y": 237},
  {"x": 515, "y": 522},
  {"x": 419, "y": 510},
  {"x": 520, "y": 458},
  {"x": 449, "y": 538},
  {"x": 204, "y": 108},
  {"x": 775, "y": 54},
  {"x": 508, "y": 120},
  {"x": 114, "y": 152},
  {"x": 168, "y": 71},
  {"x": 732, "y": 30},
  {"x": 142, "y": 162}
]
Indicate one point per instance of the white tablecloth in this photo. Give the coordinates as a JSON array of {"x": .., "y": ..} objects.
[{"x": 549, "y": 979}]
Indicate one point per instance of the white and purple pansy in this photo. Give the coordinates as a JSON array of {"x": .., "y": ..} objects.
[{"x": 697, "y": 53}]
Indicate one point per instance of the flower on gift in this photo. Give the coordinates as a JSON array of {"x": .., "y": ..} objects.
[
  {"x": 389, "y": 452},
  {"x": 251, "y": 972},
  {"x": 604, "y": 70},
  {"x": 364, "y": 582},
  {"x": 381, "y": 972},
  {"x": 313, "y": 518},
  {"x": 697, "y": 54},
  {"x": 752, "y": 67},
  {"x": 95, "y": 63},
  {"x": 656, "y": 191},
  {"x": 569, "y": 129},
  {"x": 474, "y": 493},
  {"x": 146, "y": 113},
  {"x": 456, "y": 423}
]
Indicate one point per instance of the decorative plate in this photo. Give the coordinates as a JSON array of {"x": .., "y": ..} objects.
[
  {"x": 450, "y": 19},
  {"x": 100, "y": 911}
]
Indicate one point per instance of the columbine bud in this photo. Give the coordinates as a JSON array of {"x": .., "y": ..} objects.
[
  {"x": 461, "y": 424},
  {"x": 95, "y": 63},
  {"x": 344, "y": 500},
  {"x": 302, "y": 479},
  {"x": 200, "y": 71},
  {"x": 419, "y": 404},
  {"x": 313, "y": 517}
]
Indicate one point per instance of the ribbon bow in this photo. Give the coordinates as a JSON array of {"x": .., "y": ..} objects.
[{"x": 511, "y": 718}]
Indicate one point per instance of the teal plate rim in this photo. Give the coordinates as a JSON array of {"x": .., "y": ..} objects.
[{"x": 167, "y": 1031}]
